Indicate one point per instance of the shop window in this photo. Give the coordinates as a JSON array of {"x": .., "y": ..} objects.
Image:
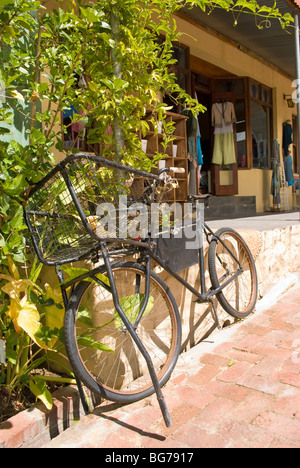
[
  {"x": 241, "y": 133},
  {"x": 254, "y": 90},
  {"x": 260, "y": 122},
  {"x": 201, "y": 82},
  {"x": 182, "y": 71},
  {"x": 253, "y": 109},
  {"x": 180, "y": 54},
  {"x": 266, "y": 96},
  {"x": 261, "y": 128},
  {"x": 235, "y": 86}
]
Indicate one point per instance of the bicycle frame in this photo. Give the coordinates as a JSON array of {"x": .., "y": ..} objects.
[
  {"x": 146, "y": 251},
  {"x": 203, "y": 295},
  {"x": 146, "y": 248}
]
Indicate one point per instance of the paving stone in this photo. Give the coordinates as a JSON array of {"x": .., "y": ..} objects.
[{"x": 251, "y": 403}]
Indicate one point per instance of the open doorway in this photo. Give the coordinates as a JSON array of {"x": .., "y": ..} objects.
[
  {"x": 204, "y": 171},
  {"x": 224, "y": 99}
]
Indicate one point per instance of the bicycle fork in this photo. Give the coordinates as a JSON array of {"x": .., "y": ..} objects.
[{"x": 132, "y": 330}]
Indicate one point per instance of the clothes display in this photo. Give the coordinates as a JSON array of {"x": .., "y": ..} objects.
[
  {"x": 223, "y": 116},
  {"x": 288, "y": 168},
  {"x": 224, "y": 149},
  {"x": 275, "y": 184},
  {"x": 198, "y": 144},
  {"x": 199, "y": 149},
  {"x": 195, "y": 156},
  {"x": 287, "y": 137}
]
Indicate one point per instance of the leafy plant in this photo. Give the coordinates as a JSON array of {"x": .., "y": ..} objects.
[{"x": 26, "y": 338}]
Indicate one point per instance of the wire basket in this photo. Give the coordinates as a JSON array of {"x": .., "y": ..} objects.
[{"x": 85, "y": 200}]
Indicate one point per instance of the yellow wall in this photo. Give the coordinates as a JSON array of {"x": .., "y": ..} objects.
[
  {"x": 257, "y": 182},
  {"x": 223, "y": 54}
]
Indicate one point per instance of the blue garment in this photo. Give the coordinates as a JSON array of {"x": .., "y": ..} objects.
[
  {"x": 288, "y": 168},
  {"x": 69, "y": 111},
  {"x": 199, "y": 149}
]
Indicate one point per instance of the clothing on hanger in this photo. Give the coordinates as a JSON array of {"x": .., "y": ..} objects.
[
  {"x": 198, "y": 137},
  {"x": 199, "y": 148},
  {"x": 288, "y": 168},
  {"x": 275, "y": 183},
  {"x": 223, "y": 117}
]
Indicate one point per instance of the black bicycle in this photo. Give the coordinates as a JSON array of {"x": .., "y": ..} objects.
[{"x": 122, "y": 326}]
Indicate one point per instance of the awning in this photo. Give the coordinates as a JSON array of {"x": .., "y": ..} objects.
[{"x": 273, "y": 44}]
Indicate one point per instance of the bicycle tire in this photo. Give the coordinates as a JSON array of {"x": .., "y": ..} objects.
[
  {"x": 122, "y": 376},
  {"x": 239, "y": 297}
]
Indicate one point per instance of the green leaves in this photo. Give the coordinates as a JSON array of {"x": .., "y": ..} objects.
[
  {"x": 40, "y": 390},
  {"x": 131, "y": 306},
  {"x": 94, "y": 15},
  {"x": 115, "y": 85},
  {"x": 89, "y": 342},
  {"x": 4, "y": 3},
  {"x": 263, "y": 14}
]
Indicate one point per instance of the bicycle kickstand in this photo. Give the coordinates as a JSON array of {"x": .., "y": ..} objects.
[
  {"x": 163, "y": 408},
  {"x": 214, "y": 314}
]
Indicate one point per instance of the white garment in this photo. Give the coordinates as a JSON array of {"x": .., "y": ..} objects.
[
  {"x": 223, "y": 116},
  {"x": 223, "y": 128}
]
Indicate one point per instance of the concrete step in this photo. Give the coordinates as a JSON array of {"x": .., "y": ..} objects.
[{"x": 224, "y": 207}]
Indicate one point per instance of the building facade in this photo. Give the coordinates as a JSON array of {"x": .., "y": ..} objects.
[
  {"x": 249, "y": 73},
  {"x": 217, "y": 68}
]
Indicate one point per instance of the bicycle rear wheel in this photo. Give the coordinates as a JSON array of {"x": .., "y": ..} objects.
[
  {"x": 238, "y": 298},
  {"x": 99, "y": 347}
]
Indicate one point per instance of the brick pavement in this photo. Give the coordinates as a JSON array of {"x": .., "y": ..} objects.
[{"x": 240, "y": 389}]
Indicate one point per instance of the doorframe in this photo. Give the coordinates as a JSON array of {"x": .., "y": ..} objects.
[{"x": 219, "y": 189}]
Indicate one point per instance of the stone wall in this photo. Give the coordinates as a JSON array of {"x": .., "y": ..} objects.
[{"x": 276, "y": 253}]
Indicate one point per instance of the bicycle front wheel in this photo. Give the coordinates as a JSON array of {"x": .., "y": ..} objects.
[
  {"x": 101, "y": 350},
  {"x": 226, "y": 257}
]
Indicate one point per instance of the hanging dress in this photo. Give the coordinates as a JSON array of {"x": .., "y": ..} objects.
[{"x": 223, "y": 116}]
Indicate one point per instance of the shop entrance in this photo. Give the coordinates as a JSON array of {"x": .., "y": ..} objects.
[
  {"x": 219, "y": 176},
  {"x": 225, "y": 176}
]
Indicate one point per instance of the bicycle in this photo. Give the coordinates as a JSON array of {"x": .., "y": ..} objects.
[{"x": 122, "y": 325}]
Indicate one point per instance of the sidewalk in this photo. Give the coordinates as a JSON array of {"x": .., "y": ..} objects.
[
  {"x": 239, "y": 389},
  {"x": 262, "y": 222}
]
